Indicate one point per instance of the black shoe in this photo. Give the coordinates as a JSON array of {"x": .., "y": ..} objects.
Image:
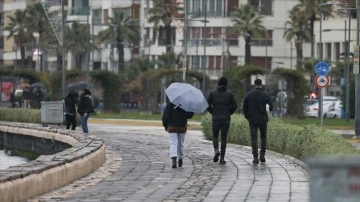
[
  {"x": 216, "y": 157},
  {"x": 180, "y": 163},
  {"x": 222, "y": 162},
  {"x": 256, "y": 160},
  {"x": 262, "y": 157},
  {"x": 173, "y": 162}
]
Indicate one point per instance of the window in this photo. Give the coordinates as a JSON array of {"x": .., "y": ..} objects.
[
  {"x": 162, "y": 36},
  {"x": 264, "y": 5}
]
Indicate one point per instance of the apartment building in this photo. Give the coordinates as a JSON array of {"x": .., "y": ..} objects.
[
  {"x": 11, "y": 53},
  {"x": 209, "y": 46}
]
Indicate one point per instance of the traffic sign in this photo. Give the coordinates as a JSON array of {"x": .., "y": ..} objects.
[
  {"x": 322, "y": 81},
  {"x": 322, "y": 68}
]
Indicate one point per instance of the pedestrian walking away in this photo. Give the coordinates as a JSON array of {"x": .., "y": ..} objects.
[
  {"x": 85, "y": 108},
  {"x": 174, "y": 121},
  {"x": 70, "y": 100},
  {"x": 222, "y": 105},
  {"x": 254, "y": 108},
  {"x": 26, "y": 97}
]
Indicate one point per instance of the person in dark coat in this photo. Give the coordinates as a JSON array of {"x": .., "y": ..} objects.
[
  {"x": 70, "y": 100},
  {"x": 222, "y": 105},
  {"x": 174, "y": 121},
  {"x": 254, "y": 108},
  {"x": 85, "y": 108},
  {"x": 27, "y": 97}
]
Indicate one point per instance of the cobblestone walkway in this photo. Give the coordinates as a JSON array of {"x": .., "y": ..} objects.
[{"x": 138, "y": 168}]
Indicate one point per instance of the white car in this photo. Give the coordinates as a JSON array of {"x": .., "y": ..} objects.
[
  {"x": 335, "y": 110},
  {"x": 313, "y": 110}
]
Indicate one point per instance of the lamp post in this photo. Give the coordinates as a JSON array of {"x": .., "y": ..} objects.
[
  {"x": 204, "y": 57},
  {"x": 357, "y": 76},
  {"x": 63, "y": 83},
  {"x": 321, "y": 58}
]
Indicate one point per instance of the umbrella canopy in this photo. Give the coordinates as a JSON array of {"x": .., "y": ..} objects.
[
  {"x": 37, "y": 85},
  {"x": 187, "y": 97},
  {"x": 76, "y": 86}
]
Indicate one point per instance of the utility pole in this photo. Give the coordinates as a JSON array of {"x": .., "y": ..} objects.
[
  {"x": 357, "y": 76},
  {"x": 204, "y": 57}
]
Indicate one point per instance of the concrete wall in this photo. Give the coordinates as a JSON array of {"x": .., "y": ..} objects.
[{"x": 48, "y": 172}]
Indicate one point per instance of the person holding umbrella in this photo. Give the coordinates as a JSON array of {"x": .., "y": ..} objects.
[
  {"x": 70, "y": 109},
  {"x": 184, "y": 99},
  {"x": 85, "y": 107},
  {"x": 222, "y": 105},
  {"x": 174, "y": 121}
]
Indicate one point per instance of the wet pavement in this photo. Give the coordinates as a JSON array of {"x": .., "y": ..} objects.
[{"x": 138, "y": 168}]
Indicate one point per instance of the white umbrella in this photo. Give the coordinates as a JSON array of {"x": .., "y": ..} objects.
[{"x": 187, "y": 97}]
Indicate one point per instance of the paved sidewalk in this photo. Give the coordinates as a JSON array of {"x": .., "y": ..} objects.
[{"x": 138, "y": 168}]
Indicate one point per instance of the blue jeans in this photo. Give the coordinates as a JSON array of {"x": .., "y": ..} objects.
[{"x": 84, "y": 120}]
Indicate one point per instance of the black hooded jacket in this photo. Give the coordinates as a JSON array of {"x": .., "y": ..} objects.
[
  {"x": 254, "y": 106},
  {"x": 86, "y": 103},
  {"x": 222, "y": 103},
  {"x": 175, "y": 116}
]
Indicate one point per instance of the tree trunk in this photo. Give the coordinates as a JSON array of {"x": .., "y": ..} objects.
[
  {"x": 247, "y": 62},
  {"x": 120, "y": 49},
  {"x": 299, "y": 55},
  {"x": 22, "y": 54}
]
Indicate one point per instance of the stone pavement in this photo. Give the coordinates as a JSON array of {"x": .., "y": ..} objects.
[{"x": 138, "y": 168}]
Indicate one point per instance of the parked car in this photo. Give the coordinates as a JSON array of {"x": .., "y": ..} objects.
[
  {"x": 313, "y": 110},
  {"x": 335, "y": 110}
]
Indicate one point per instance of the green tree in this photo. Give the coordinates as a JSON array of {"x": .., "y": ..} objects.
[
  {"x": 312, "y": 11},
  {"x": 78, "y": 42},
  {"x": 297, "y": 29},
  {"x": 248, "y": 23},
  {"x": 162, "y": 12},
  {"x": 18, "y": 30},
  {"x": 122, "y": 29},
  {"x": 170, "y": 60}
]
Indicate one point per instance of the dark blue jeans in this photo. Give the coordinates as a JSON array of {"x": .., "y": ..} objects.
[
  {"x": 223, "y": 126},
  {"x": 254, "y": 137},
  {"x": 84, "y": 125}
]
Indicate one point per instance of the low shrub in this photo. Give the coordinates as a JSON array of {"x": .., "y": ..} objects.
[
  {"x": 300, "y": 142},
  {"x": 20, "y": 115}
]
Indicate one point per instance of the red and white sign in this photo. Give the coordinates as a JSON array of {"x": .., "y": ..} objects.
[{"x": 322, "y": 81}]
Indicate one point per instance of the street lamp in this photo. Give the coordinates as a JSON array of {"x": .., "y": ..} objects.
[{"x": 321, "y": 58}]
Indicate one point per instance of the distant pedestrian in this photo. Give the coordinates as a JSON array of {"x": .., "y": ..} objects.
[
  {"x": 85, "y": 108},
  {"x": 222, "y": 105},
  {"x": 254, "y": 108},
  {"x": 13, "y": 98},
  {"x": 70, "y": 100},
  {"x": 27, "y": 97},
  {"x": 175, "y": 122}
]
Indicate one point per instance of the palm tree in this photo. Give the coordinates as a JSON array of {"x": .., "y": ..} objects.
[
  {"x": 78, "y": 42},
  {"x": 247, "y": 22},
  {"x": 18, "y": 29},
  {"x": 170, "y": 60},
  {"x": 36, "y": 22},
  {"x": 297, "y": 29},
  {"x": 162, "y": 12},
  {"x": 311, "y": 10},
  {"x": 121, "y": 30}
]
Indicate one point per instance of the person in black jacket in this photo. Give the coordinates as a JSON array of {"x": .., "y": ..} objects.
[
  {"x": 174, "y": 121},
  {"x": 85, "y": 108},
  {"x": 254, "y": 108},
  {"x": 222, "y": 105},
  {"x": 70, "y": 110}
]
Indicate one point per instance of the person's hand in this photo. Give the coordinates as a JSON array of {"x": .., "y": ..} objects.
[{"x": 85, "y": 114}]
